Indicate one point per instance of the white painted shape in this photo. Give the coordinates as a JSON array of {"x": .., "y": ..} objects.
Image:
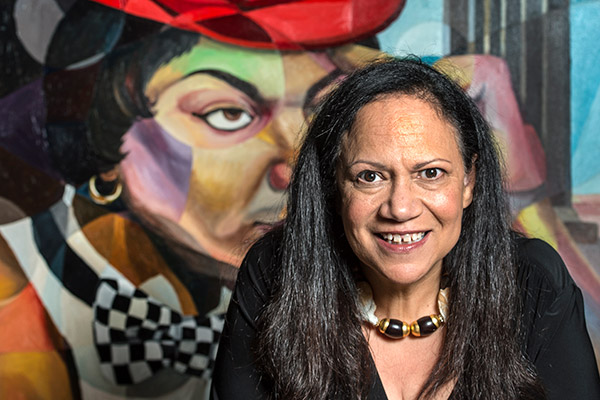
[
  {"x": 35, "y": 23},
  {"x": 160, "y": 289},
  {"x": 68, "y": 195}
]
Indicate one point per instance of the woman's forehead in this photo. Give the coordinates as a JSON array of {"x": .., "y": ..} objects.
[{"x": 399, "y": 121}]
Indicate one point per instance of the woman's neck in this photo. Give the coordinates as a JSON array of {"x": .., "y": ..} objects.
[{"x": 405, "y": 302}]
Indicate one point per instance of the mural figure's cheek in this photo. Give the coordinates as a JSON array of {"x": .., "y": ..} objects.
[
  {"x": 156, "y": 170},
  {"x": 223, "y": 186}
]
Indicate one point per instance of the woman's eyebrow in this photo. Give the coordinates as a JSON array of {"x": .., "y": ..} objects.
[
  {"x": 375, "y": 164},
  {"x": 322, "y": 83},
  {"x": 426, "y": 163},
  {"x": 246, "y": 87}
]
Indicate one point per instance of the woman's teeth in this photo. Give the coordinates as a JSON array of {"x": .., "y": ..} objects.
[{"x": 407, "y": 238}]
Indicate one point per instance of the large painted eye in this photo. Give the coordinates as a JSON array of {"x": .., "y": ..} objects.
[{"x": 227, "y": 119}]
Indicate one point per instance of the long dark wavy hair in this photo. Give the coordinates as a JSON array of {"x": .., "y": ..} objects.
[{"x": 310, "y": 342}]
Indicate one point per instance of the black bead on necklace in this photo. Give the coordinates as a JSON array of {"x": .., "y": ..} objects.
[{"x": 396, "y": 329}]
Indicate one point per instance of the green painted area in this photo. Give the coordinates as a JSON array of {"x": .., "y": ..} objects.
[{"x": 262, "y": 68}]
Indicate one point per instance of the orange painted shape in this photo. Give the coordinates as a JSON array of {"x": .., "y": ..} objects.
[
  {"x": 23, "y": 324},
  {"x": 34, "y": 375}
]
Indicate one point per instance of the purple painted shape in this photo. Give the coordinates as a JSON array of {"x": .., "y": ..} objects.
[
  {"x": 156, "y": 169},
  {"x": 22, "y": 133}
]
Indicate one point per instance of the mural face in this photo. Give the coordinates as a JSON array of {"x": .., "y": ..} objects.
[{"x": 212, "y": 165}]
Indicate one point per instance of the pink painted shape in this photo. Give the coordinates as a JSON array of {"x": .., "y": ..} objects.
[
  {"x": 156, "y": 169},
  {"x": 491, "y": 86}
]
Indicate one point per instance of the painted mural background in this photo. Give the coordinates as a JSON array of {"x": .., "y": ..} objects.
[{"x": 194, "y": 127}]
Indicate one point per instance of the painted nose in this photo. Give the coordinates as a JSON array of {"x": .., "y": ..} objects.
[
  {"x": 287, "y": 127},
  {"x": 279, "y": 176},
  {"x": 403, "y": 204},
  {"x": 284, "y": 132}
]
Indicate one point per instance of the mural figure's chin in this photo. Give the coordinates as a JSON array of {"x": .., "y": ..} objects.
[
  {"x": 192, "y": 235},
  {"x": 165, "y": 227}
]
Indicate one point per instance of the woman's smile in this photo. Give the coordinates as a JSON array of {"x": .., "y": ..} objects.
[
  {"x": 403, "y": 238},
  {"x": 402, "y": 242}
]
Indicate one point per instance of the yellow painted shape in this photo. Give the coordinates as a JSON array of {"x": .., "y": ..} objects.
[
  {"x": 34, "y": 375},
  {"x": 534, "y": 219},
  {"x": 12, "y": 278},
  {"x": 458, "y": 68}
]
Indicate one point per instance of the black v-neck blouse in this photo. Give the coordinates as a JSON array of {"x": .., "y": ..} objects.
[{"x": 556, "y": 339}]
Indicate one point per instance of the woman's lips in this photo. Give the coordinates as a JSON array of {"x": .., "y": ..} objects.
[
  {"x": 402, "y": 242},
  {"x": 403, "y": 238}
]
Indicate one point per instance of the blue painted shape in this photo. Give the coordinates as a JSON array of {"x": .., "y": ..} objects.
[{"x": 585, "y": 96}]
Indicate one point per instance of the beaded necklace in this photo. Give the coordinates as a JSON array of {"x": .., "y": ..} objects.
[{"x": 396, "y": 329}]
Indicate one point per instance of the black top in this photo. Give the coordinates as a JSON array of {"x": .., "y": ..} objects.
[{"x": 556, "y": 339}]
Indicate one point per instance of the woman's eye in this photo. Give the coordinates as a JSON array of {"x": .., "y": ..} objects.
[
  {"x": 368, "y": 176},
  {"x": 431, "y": 173},
  {"x": 227, "y": 119}
]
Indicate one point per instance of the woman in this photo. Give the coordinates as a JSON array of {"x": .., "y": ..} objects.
[{"x": 396, "y": 201}]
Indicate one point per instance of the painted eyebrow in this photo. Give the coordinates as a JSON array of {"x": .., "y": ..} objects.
[
  {"x": 322, "y": 83},
  {"x": 246, "y": 87}
]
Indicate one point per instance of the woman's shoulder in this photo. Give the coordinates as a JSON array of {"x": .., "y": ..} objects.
[
  {"x": 555, "y": 338},
  {"x": 540, "y": 266},
  {"x": 546, "y": 288},
  {"x": 265, "y": 248},
  {"x": 260, "y": 264}
]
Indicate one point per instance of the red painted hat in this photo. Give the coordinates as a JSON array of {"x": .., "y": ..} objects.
[{"x": 271, "y": 24}]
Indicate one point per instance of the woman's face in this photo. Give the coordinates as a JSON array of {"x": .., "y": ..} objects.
[
  {"x": 403, "y": 189},
  {"x": 211, "y": 167}
]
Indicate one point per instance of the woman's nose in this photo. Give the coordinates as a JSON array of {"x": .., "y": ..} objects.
[
  {"x": 402, "y": 204},
  {"x": 279, "y": 175}
]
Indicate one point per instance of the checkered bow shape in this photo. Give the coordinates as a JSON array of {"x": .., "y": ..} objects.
[{"x": 136, "y": 336}]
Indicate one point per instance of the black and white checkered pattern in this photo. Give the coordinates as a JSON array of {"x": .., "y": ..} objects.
[{"x": 136, "y": 335}]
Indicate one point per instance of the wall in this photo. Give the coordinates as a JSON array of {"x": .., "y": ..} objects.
[{"x": 196, "y": 135}]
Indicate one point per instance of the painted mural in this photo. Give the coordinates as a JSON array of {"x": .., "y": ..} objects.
[{"x": 146, "y": 144}]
